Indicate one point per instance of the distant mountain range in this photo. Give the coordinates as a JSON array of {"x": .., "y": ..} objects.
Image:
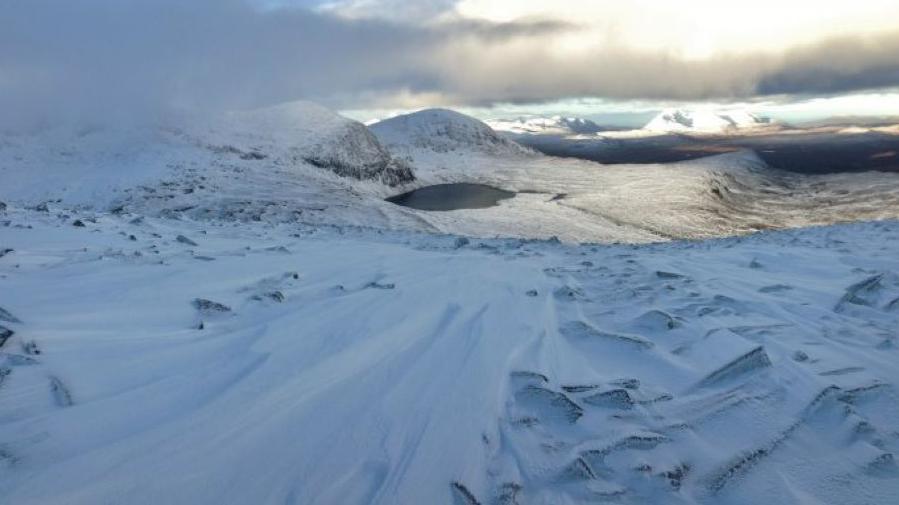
[
  {"x": 699, "y": 121},
  {"x": 556, "y": 125},
  {"x": 667, "y": 121}
]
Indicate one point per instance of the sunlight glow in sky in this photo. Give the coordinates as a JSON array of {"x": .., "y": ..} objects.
[{"x": 698, "y": 28}]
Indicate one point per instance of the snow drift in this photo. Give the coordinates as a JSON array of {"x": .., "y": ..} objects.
[{"x": 305, "y": 365}]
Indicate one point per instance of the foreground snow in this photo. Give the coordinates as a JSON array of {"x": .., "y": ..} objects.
[{"x": 351, "y": 366}]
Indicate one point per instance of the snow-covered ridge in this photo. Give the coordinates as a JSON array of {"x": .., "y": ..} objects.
[
  {"x": 442, "y": 131},
  {"x": 88, "y": 166},
  {"x": 303, "y": 131},
  {"x": 555, "y": 125},
  {"x": 702, "y": 121}
]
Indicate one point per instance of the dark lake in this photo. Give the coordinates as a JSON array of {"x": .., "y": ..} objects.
[{"x": 452, "y": 197}]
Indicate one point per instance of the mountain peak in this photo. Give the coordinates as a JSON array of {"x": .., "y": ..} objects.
[
  {"x": 705, "y": 121},
  {"x": 442, "y": 130}
]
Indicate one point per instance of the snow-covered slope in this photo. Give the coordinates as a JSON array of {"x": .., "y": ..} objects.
[
  {"x": 96, "y": 165},
  {"x": 555, "y": 125},
  {"x": 303, "y": 131},
  {"x": 442, "y": 131},
  {"x": 703, "y": 121},
  {"x": 172, "y": 361}
]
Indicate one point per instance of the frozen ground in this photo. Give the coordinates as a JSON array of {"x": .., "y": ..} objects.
[{"x": 265, "y": 363}]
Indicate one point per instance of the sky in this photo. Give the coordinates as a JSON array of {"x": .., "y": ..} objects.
[{"x": 615, "y": 60}]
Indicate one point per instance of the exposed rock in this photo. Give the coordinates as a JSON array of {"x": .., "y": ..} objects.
[
  {"x": 184, "y": 240},
  {"x": 579, "y": 388},
  {"x": 356, "y": 153},
  {"x": 627, "y": 383},
  {"x": 800, "y": 356},
  {"x": 31, "y": 348},
  {"x": 668, "y": 275},
  {"x": 579, "y": 470},
  {"x": 6, "y": 316},
  {"x": 508, "y": 494},
  {"x": 5, "y": 334},
  {"x": 276, "y": 296},
  {"x": 463, "y": 495},
  {"x": 210, "y": 307},
  {"x": 640, "y": 441},
  {"x": 378, "y": 285},
  {"x": 616, "y": 399}
]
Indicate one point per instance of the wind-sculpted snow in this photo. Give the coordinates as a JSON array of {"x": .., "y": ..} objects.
[{"x": 287, "y": 363}]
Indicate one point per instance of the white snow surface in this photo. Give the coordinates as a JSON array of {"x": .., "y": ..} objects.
[
  {"x": 705, "y": 121},
  {"x": 444, "y": 130},
  {"x": 94, "y": 166},
  {"x": 202, "y": 315},
  {"x": 348, "y": 366}
]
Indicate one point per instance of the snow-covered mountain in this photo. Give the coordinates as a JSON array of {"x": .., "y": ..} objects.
[
  {"x": 555, "y": 125},
  {"x": 91, "y": 165},
  {"x": 442, "y": 131},
  {"x": 704, "y": 121},
  {"x": 307, "y": 132}
]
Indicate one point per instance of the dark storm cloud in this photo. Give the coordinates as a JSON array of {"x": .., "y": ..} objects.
[
  {"x": 836, "y": 65},
  {"x": 121, "y": 59},
  {"x": 136, "y": 58}
]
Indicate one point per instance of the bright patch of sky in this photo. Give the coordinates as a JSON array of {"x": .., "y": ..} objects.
[{"x": 636, "y": 113}]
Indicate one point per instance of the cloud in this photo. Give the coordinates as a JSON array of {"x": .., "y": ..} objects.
[
  {"x": 138, "y": 59},
  {"x": 835, "y": 65}
]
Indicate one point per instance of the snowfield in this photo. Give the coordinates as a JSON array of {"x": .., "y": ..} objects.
[
  {"x": 175, "y": 361},
  {"x": 228, "y": 312}
]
